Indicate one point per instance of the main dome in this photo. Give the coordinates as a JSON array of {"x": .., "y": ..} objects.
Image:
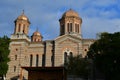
[{"x": 70, "y": 13}]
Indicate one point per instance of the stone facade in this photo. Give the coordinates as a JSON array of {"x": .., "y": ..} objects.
[{"x": 34, "y": 52}]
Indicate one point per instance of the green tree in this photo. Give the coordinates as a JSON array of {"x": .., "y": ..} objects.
[
  {"x": 105, "y": 53},
  {"x": 4, "y": 52},
  {"x": 78, "y": 66}
]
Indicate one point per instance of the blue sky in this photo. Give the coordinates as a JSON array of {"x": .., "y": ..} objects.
[{"x": 97, "y": 16}]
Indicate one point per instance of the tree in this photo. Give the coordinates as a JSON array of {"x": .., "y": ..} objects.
[
  {"x": 105, "y": 53},
  {"x": 4, "y": 52},
  {"x": 77, "y": 66}
]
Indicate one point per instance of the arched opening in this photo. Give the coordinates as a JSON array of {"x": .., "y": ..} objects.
[
  {"x": 14, "y": 68},
  {"x": 65, "y": 58},
  {"x": 71, "y": 54},
  {"x": 19, "y": 26},
  {"x": 31, "y": 59},
  {"x": 37, "y": 60},
  {"x": 77, "y": 28},
  {"x": 62, "y": 30},
  {"x": 69, "y": 27},
  {"x": 43, "y": 60},
  {"x": 67, "y": 55},
  {"x": 15, "y": 57},
  {"x": 23, "y": 28}
]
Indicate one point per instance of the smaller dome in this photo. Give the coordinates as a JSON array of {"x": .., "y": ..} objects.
[
  {"x": 70, "y": 13},
  {"x": 36, "y": 37},
  {"x": 36, "y": 33}
]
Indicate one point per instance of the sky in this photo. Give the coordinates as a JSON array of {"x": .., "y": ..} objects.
[{"x": 97, "y": 16}]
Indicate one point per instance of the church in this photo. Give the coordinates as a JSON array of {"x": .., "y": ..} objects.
[{"x": 33, "y": 51}]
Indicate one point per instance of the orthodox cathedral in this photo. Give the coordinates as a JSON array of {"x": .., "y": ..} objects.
[{"x": 34, "y": 52}]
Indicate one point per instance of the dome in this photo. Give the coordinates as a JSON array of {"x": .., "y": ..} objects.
[
  {"x": 70, "y": 13},
  {"x": 36, "y": 37},
  {"x": 36, "y": 33},
  {"x": 22, "y": 17}
]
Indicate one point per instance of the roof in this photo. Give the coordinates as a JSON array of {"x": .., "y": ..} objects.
[
  {"x": 43, "y": 68},
  {"x": 36, "y": 33},
  {"x": 23, "y": 17},
  {"x": 69, "y": 13}
]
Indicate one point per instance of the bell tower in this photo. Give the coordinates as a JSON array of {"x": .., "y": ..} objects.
[
  {"x": 21, "y": 28},
  {"x": 22, "y": 24},
  {"x": 70, "y": 23},
  {"x": 19, "y": 46}
]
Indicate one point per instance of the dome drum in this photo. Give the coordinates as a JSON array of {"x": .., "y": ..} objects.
[
  {"x": 70, "y": 23},
  {"x": 22, "y": 24}
]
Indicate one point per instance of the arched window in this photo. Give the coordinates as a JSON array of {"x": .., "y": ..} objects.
[
  {"x": 31, "y": 59},
  {"x": 19, "y": 27},
  {"x": 37, "y": 60},
  {"x": 16, "y": 49},
  {"x": 77, "y": 28},
  {"x": 71, "y": 54},
  {"x": 15, "y": 57},
  {"x": 65, "y": 57},
  {"x": 43, "y": 60},
  {"x": 62, "y": 29},
  {"x": 14, "y": 68},
  {"x": 23, "y": 28},
  {"x": 69, "y": 27}
]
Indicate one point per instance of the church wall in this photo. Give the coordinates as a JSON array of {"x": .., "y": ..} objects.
[
  {"x": 48, "y": 53},
  {"x": 34, "y": 50},
  {"x": 68, "y": 46},
  {"x": 17, "y": 58},
  {"x": 86, "y": 45}
]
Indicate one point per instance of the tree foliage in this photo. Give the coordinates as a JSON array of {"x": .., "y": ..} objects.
[
  {"x": 106, "y": 54},
  {"x": 4, "y": 52},
  {"x": 78, "y": 66}
]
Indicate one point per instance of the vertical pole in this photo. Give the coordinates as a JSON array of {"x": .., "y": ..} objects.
[{"x": 21, "y": 74}]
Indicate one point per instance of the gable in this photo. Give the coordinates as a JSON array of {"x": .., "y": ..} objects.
[{"x": 67, "y": 38}]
